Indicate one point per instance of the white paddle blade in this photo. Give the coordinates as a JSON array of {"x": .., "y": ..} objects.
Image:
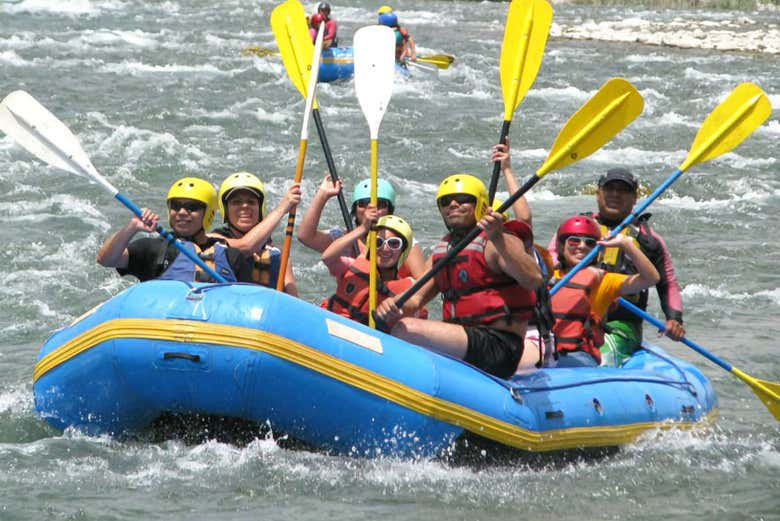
[
  {"x": 39, "y": 131},
  {"x": 374, "y": 58}
]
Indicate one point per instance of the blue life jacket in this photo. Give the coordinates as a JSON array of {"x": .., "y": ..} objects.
[{"x": 182, "y": 268}]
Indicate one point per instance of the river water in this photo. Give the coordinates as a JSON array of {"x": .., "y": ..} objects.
[{"x": 158, "y": 90}]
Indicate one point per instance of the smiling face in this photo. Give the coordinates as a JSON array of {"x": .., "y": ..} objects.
[
  {"x": 458, "y": 211},
  {"x": 389, "y": 248},
  {"x": 575, "y": 248},
  {"x": 186, "y": 216},
  {"x": 616, "y": 200},
  {"x": 243, "y": 209}
]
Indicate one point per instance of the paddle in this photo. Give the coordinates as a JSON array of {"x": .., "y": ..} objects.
[
  {"x": 612, "y": 108},
  {"x": 767, "y": 392},
  {"x": 292, "y": 36},
  {"x": 374, "y": 54},
  {"x": 726, "y": 127},
  {"x": 442, "y": 61},
  {"x": 261, "y": 52},
  {"x": 525, "y": 35},
  {"x": 302, "y": 70},
  {"x": 415, "y": 65},
  {"x": 39, "y": 131}
]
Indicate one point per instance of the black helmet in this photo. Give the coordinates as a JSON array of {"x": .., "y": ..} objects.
[{"x": 324, "y": 6}]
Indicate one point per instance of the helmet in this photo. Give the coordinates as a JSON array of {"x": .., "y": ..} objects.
[
  {"x": 384, "y": 190},
  {"x": 324, "y": 6},
  {"x": 400, "y": 227},
  {"x": 316, "y": 19},
  {"x": 240, "y": 181},
  {"x": 388, "y": 19},
  {"x": 465, "y": 184},
  {"x": 198, "y": 190},
  {"x": 579, "y": 225},
  {"x": 385, "y": 9}
]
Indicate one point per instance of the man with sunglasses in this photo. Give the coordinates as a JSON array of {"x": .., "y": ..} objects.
[
  {"x": 487, "y": 289},
  {"x": 617, "y": 194},
  {"x": 192, "y": 204}
]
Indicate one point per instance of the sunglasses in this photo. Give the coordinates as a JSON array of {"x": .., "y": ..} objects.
[
  {"x": 575, "y": 240},
  {"x": 190, "y": 206},
  {"x": 394, "y": 243},
  {"x": 446, "y": 200},
  {"x": 381, "y": 204}
]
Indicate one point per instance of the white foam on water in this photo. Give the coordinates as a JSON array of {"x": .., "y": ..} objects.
[
  {"x": 16, "y": 400},
  {"x": 71, "y": 8},
  {"x": 116, "y": 38},
  {"x": 723, "y": 293},
  {"x": 11, "y": 58},
  {"x": 771, "y": 127},
  {"x": 635, "y": 156},
  {"x": 570, "y": 93},
  {"x": 138, "y": 68}
]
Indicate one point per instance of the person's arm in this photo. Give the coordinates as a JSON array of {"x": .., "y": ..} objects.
[
  {"x": 411, "y": 49},
  {"x": 257, "y": 237},
  {"x": 668, "y": 292},
  {"x": 333, "y": 252},
  {"x": 520, "y": 207},
  {"x": 308, "y": 234},
  {"x": 289, "y": 282},
  {"x": 647, "y": 274},
  {"x": 113, "y": 253},
  {"x": 415, "y": 262},
  {"x": 506, "y": 253},
  {"x": 389, "y": 313}
]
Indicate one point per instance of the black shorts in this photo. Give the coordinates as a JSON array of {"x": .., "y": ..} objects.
[{"x": 492, "y": 350}]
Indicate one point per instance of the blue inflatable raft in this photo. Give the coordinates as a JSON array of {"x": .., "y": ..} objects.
[
  {"x": 337, "y": 63},
  {"x": 244, "y": 351}
]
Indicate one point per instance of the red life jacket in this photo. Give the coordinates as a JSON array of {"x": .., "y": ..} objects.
[
  {"x": 473, "y": 294},
  {"x": 576, "y": 327},
  {"x": 352, "y": 290}
]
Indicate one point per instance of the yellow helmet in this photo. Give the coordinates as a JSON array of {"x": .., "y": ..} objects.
[
  {"x": 240, "y": 181},
  {"x": 198, "y": 190},
  {"x": 402, "y": 228},
  {"x": 385, "y": 9},
  {"x": 465, "y": 184}
]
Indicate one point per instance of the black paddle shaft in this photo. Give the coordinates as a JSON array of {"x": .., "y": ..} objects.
[
  {"x": 497, "y": 164},
  {"x": 400, "y": 301},
  {"x": 333, "y": 175}
]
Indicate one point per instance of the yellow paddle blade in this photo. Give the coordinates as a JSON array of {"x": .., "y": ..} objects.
[
  {"x": 442, "y": 61},
  {"x": 729, "y": 124},
  {"x": 262, "y": 52},
  {"x": 525, "y": 35},
  {"x": 610, "y": 110},
  {"x": 767, "y": 392},
  {"x": 288, "y": 23}
]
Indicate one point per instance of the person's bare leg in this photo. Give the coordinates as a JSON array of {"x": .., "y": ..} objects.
[{"x": 437, "y": 336}]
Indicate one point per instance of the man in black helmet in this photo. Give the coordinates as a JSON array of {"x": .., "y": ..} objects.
[
  {"x": 617, "y": 194},
  {"x": 330, "y": 38}
]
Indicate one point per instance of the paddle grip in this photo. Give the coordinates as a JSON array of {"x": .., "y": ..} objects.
[
  {"x": 497, "y": 165},
  {"x": 439, "y": 264},
  {"x": 616, "y": 230},
  {"x": 168, "y": 236},
  {"x": 333, "y": 175}
]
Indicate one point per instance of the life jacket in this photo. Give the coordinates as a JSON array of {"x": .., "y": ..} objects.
[
  {"x": 473, "y": 294},
  {"x": 576, "y": 326},
  {"x": 352, "y": 291},
  {"x": 543, "y": 319},
  {"x": 265, "y": 266},
  {"x": 182, "y": 268},
  {"x": 401, "y": 35}
]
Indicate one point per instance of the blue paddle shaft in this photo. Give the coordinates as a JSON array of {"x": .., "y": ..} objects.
[
  {"x": 662, "y": 327},
  {"x": 616, "y": 230},
  {"x": 168, "y": 236}
]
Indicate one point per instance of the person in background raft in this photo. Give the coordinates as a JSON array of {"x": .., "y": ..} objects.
[
  {"x": 487, "y": 289},
  {"x": 404, "y": 43},
  {"x": 393, "y": 243},
  {"x": 581, "y": 303},
  {"x": 616, "y": 197},
  {"x": 318, "y": 240},
  {"x": 330, "y": 38},
  {"x": 539, "y": 335},
  {"x": 248, "y": 227},
  {"x": 192, "y": 203}
]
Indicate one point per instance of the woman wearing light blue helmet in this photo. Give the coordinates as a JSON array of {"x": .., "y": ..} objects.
[{"x": 319, "y": 240}]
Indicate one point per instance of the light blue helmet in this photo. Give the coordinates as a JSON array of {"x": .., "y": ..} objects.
[
  {"x": 384, "y": 190},
  {"x": 388, "y": 19}
]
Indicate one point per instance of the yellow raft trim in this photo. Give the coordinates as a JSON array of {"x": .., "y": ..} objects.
[
  {"x": 190, "y": 332},
  {"x": 340, "y": 61}
]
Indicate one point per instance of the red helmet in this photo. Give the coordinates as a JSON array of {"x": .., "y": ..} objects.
[
  {"x": 579, "y": 225},
  {"x": 316, "y": 19}
]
